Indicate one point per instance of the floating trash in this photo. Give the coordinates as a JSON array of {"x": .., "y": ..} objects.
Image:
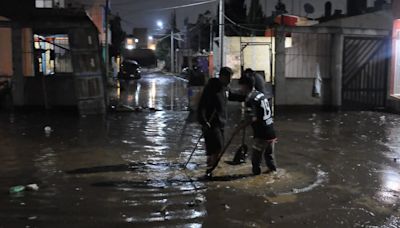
[{"x": 17, "y": 189}]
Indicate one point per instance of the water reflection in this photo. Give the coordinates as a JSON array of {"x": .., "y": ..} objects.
[
  {"x": 137, "y": 92},
  {"x": 152, "y": 93},
  {"x": 390, "y": 186}
]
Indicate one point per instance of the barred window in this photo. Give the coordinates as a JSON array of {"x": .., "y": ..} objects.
[{"x": 52, "y": 54}]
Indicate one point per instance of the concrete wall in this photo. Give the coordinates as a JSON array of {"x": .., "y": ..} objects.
[
  {"x": 256, "y": 55},
  {"x": 295, "y": 89},
  {"x": 299, "y": 92},
  {"x": 6, "y": 52},
  {"x": 393, "y": 104}
]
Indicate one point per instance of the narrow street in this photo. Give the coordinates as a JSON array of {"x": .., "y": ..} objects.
[{"x": 126, "y": 169}]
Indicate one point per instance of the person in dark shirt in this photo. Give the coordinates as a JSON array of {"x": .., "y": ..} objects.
[
  {"x": 260, "y": 119},
  {"x": 212, "y": 114},
  {"x": 259, "y": 81}
]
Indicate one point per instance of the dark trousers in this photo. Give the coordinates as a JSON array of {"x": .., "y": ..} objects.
[
  {"x": 214, "y": 140},
  {"x": 261, "y": 147}
]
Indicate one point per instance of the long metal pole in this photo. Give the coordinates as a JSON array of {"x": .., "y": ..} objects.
[
  {"x": 106, "y": 39},
  {"x": 221, "y": 32},
  {"x": 172, "y": 50},
  {"x": 210, "y": 48}
]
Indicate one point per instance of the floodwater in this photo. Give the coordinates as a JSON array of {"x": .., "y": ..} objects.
[{"x": 126, "y": 169}]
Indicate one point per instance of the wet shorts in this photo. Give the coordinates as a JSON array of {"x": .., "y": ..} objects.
[{"x": 214, "y": 139}]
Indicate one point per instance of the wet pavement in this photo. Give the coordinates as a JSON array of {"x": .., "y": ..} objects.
[{"x": 126, "y": 169}]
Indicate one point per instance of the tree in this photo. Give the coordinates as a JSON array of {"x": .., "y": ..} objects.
[
  {"x": 117, "y": 36},
  {"x": 163, "y": 49},
  {"x": 199, "y": 33},
  {"x": 256, "y": 18},
  {"x": 280, "y": 8},
  {"x": 235, "y": 10},
  {"x": 256, "y": 15}
]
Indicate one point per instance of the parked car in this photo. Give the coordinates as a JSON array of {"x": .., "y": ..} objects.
[{"x": 129, "y": 69}]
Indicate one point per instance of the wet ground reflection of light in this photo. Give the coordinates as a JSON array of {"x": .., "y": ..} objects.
[
  {"x": 390, "y": 180},
  {"x": 118, "y": 90},
  {"x": 152, "y": 93},
  {"x": 137, "y": 92}
]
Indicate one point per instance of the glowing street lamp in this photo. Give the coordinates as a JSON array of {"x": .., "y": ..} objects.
[{"x": 160, "y": 24}]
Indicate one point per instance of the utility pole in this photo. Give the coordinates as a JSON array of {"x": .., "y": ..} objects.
[
  {"x": 172, "y": 49},
  {"x": 210, "y": 49},
  {"x": 173, "y": 20},
  {"x": 106, "y": 39},
  {"x": 221, "y": 32}
]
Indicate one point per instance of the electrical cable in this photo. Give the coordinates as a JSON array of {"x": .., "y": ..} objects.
[
  {"x": 175, "y": 7},
  {"x": 243, "y": 27}
]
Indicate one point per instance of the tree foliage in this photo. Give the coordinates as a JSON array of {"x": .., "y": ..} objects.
[
  {"x": 163, "y": 49},
  {"x": 235, "y": 10},
  {"x": 117, "y": 36}
]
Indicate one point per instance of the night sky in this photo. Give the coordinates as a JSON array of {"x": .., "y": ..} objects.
[{"x": 145, "y": 13}]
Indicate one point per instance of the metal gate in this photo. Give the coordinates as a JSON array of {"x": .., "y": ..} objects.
[{"x": 365, "y": 70}]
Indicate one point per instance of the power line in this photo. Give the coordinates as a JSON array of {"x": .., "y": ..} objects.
[
  {"x": 174, "y": 7},
  {"x": 243, "y": 27},
  {"x": 129, "y": 2}
]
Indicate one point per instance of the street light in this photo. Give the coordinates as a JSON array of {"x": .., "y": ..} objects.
[{"x": 160, "y": 24}]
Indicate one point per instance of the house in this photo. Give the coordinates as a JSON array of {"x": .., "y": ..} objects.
[
  {"x": 53, "y": 57},
  {"x": 351, "y": 54},
  {"x": 354, "y": 56}
]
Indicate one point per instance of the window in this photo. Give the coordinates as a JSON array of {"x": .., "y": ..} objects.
[
  {"x": 395, "y": 82},
  {"x": 50, "y": 3},
  {"x": 52, "y": 54}
]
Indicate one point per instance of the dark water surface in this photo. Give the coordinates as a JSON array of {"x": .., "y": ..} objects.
[{"x": 125, "y": 169}]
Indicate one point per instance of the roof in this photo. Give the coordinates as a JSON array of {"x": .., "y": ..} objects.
[{"x": 381, "y": 20}]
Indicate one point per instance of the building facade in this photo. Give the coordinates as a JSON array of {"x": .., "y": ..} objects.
[{"x": 52, "y": 57}]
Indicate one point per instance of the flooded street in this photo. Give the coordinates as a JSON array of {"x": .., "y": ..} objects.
[{"x": 126, "y": 169}]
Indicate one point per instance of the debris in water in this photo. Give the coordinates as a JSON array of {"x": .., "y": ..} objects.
[
  {"x": 191, "y": 204},
  {"x": 395, "y": 159},
  {"x": 16, "y": 189},
  {"x": 47, "y": 130},
  {"x": 33, "y": 187},
  {"x": 163, "y": 209},
  {"x": 32, "y": 218},
  {"x": 227, "y": 207},
  {"x": 199, "y": 199}
]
